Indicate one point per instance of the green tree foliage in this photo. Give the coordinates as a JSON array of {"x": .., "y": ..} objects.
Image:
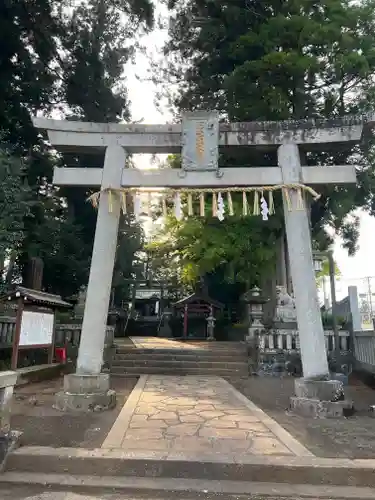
[
  {"x": 28, "y": 37},
  {"x": 14, "y": 207},
  {"x": 66, "y": 56},
  {"x": 280, "y": 60},
  {"x": 274, "y": 60}
]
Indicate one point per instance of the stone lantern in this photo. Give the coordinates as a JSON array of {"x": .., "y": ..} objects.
[
  {"x": 255, "y": 302},
  {"x": 211, "y": 325}
]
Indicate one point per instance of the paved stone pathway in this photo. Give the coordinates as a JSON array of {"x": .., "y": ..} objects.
[{"x": 196, "y": 418}]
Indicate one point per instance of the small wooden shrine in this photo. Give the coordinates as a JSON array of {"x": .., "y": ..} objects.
[{"x": 198, "y": 311}]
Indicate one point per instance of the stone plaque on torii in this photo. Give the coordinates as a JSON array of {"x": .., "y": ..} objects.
[{"x": 200, "y": 137}]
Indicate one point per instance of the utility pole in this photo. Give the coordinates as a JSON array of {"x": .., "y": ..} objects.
[
  {"x": 336, "y": 335},
  {"x": 369, "y": 295}
]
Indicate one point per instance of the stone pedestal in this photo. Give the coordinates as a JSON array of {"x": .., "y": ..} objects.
[
  {"x": 85, "y": 393},
  {"x": 8, "y": 380},
  {"x": 320, "y": 399}
]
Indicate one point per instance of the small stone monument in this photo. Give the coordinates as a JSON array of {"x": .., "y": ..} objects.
[{"x": 285, "y": 306}]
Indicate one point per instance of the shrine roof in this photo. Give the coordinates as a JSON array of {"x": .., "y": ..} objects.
[
  {"x": 198, "y": 298},
  {"x": 36, "y": 297}
]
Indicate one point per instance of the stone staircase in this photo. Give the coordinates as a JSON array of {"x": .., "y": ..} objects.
[
  {"x": 223, "y": 359},
  {"x": 116, "y": 474}
]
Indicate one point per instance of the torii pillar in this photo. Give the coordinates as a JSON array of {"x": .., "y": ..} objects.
[{"x": 89, "y": 388}]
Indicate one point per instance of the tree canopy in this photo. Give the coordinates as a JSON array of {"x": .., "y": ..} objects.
[
  {"x": 65, "y": 57},
  {"x": 277, "y": 60}
]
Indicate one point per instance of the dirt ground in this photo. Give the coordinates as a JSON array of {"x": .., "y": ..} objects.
[
  {"x": 352, "y": 437},
  {"x": 41, "y": 425},
  {"x": 41, "y": 493}
]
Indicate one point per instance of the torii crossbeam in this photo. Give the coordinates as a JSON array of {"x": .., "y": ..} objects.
[{"x": 200, "y": 137}]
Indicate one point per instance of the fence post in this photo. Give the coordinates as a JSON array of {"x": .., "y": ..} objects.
[{"x": 354, "y": 309}]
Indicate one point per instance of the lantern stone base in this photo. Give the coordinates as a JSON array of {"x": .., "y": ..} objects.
[
  {"x": 320, "y": 399},
  {"x": 85, "y": 393}
]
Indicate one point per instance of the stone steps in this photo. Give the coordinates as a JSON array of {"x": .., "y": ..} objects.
[
  {"x": 177, "y": 363},
  {"x": 118, "y": 371},
  {"x": 217, "y": 359},
  {"x": 126, "y": 470},
  {"x": 181, "y": 352},
  {"x": 132, "y": 356},
  {"x": 55, "y": 486}
]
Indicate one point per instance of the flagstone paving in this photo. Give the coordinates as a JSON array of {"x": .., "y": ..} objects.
[{"x": 196, "y": 418}]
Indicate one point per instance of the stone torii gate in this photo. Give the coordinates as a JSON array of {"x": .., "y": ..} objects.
[{"x": 89, "y": 386}]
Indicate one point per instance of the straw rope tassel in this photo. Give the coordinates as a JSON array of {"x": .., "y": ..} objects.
[
  {"x": 149, "y": 205},
  {"x": 177, "y": 206},
  {"x": 300, "y": 203},
  {"x": 190, "y": 204},
  {"x": 271, "y": 204},
  {"x": 256, "y": 210},
  {"x": 230, "y": 204},
  {"x": 202, "y": 205},
  {"x": 214, "y": 205},
  {"x": 165, "y": 211},
  {"x": 244, "y": 204},
  {"x": 110, "y": 201},
  {"x": 94, "y": 198},
  {"x": 123, "y": 203},
  {"x": 137, "y": 206},
  {"x": 288, "y": 201}
]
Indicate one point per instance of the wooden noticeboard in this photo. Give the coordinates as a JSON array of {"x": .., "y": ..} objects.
[{"x": 34, "y": 330}]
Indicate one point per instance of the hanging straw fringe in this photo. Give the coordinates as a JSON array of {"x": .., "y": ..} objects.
[
  {"x": 214, "y": 205},
  {"x": 256, "y": 210},
  {"x": 137, "y": 206},
  {"x": 110, "y": 201},
  {"x": 271, "y": 205},
  {"x": 149, "y": 205},
  {"x": 202, "y": 205},
  {"x": 177, "y": 206},
  {"x": 136, "y": 193},
  {"x": 288, "y": 201},
  {"x": 190, "y": 204},
  {"x": 230, "y": 204},
  {"x": 123, "y": 204},
  {"x": 245, "y": 208},
  {"x": 300, "y": 202},
  {"x": 165, "y": 211}
]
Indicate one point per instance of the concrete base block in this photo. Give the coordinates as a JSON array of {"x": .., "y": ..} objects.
[
  {"x": 315, "y": 408},
  {"x": 65, "y": 401},
  {"x": 320, "y": 399},
  {"x": 77, "y": 383},
  {"x": 85, "y": 393},
  {"x": 323, "y": 390}
]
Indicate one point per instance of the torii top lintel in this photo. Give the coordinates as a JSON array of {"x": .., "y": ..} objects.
[{"x": 76, "y": 137}]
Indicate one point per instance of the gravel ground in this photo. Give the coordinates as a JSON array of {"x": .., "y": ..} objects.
[
  {"x": 35, "y": 493},
  {"x": 352, "y": 437},
  {"x": 41, "y": 425}
]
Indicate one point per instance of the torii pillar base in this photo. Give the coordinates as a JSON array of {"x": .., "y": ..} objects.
[
  {"x": 85, "y": 393},
  {"x": 320, "y": 399}
]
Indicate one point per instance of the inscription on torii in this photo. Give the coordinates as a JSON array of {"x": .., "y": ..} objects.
[{"x": 200, "y": 142}]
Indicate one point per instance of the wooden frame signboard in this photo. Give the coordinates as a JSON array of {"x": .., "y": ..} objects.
[{"x": 35, "y": 321}]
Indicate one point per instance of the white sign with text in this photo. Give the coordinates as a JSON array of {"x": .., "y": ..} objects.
[{"x": 36, "y": 328}]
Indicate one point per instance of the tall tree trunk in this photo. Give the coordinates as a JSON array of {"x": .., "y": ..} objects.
[{"x": 10, "y": 270}]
